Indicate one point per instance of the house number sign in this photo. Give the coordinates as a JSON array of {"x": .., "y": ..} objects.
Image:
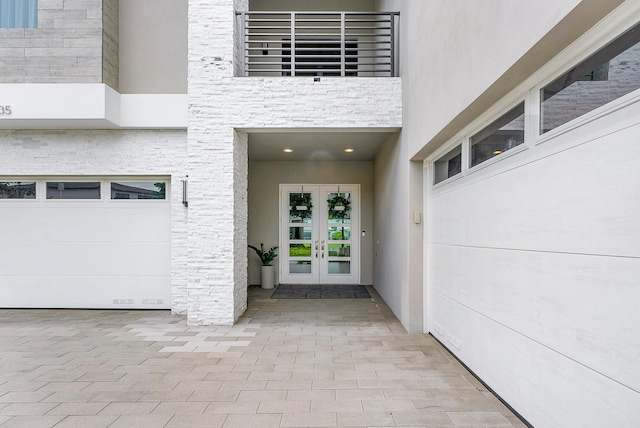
[{"x": 5, "y": 110}]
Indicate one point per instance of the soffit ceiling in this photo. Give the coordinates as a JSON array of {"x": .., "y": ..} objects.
[{"x": 316, "y": 146}]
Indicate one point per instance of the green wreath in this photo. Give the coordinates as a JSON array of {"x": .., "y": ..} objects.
[
  {"x": 302, "y": 200},
  {"x": 339, "y": 207}
]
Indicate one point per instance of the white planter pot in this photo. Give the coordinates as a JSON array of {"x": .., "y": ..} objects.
[{"x": 267, "y": 277}]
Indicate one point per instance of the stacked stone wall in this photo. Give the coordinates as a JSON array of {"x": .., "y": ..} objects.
[
  {"x": 221, "y": 107},
  {"x": 67, "y": 46}
]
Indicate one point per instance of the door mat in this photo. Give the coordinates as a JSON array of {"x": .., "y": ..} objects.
[{"x": 319, "y": 291}]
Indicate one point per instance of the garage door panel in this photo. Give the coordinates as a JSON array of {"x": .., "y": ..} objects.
[
  {"x": 85, "y": 292},
  {"x": 85, "y": 258},
  {"x": 35, "y": 222},
  {"x": 583, "y": 200},
  {"x": 85, "y": 253}
]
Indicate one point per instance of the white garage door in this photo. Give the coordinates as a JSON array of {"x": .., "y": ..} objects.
[{"x": 85, "y": 242}]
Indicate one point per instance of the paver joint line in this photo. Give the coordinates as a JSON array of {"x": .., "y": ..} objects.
[{"x": 286, "y": 363}]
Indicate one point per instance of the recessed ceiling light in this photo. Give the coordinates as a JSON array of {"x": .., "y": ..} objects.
[
  {"x": 349, "y": 150},
  {"x": 288, "y": 150},
  {"x": 497, "y": 152}
]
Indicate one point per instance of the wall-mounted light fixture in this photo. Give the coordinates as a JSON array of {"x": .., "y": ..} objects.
[{"x": 185, "y": 201}]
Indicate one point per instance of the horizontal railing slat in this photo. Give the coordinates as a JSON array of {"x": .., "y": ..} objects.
[{"x": 318, "y": 43}]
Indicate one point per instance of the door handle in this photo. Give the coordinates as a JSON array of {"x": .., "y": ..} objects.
[
  {"x": 316, "y": 248},
  {"x": 323, "y": 248}
]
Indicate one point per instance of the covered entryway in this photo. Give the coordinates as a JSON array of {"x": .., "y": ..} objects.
[
  {"x": 85, "y": 242},
  {"x": 319, "y": 234},
  {"x": 343, "y": 161}
]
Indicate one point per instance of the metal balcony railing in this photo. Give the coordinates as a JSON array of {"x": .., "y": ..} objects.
[{"x": 319, "y": 43}]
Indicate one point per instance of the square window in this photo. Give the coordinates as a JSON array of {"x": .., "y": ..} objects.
[{"x": 18, "y": 13}]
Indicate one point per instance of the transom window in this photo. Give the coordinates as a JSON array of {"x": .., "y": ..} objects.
[
  {"x": 448, "y": 165},
  {"x": 606, "y": 75},
  {"x": 501, "y": 135},
  {"x": 135, "y": 190},
  {"x": 138, "y": 190},
  {"x": 73, "y": 190},
  {"x": 17, "y": 190}
]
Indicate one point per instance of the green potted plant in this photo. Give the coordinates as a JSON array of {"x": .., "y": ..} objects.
[{"x": 267, "y": 273}]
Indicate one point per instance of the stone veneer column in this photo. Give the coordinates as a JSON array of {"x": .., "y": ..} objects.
[{"x": 218, "y": 168}]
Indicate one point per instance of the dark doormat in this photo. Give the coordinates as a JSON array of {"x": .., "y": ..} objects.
[{"x": 319, "y": 291}]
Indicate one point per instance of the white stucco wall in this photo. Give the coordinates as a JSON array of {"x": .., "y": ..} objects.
[
  {"x": 530, "y": 263},
  {"x": 452, "y": 71},
  {"x": 447, "y": 55},
  {"x": 390, "y": 273},
  {"x": 153, "y": 46}
]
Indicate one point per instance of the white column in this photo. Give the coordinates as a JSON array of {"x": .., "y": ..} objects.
[{"x": 218, "y": 159}]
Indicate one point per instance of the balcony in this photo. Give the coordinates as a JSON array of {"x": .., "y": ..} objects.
[{"x": 342, "y": 44}]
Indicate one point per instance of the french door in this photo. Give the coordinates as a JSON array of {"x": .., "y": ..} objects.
[{"x": 319, "y": 234}]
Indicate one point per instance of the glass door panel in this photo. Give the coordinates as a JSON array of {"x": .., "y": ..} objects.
[
  {"x": 298, "y": 259},
  {"x": 318, "y": 243},
  {"x": 338, "y": 220},
  {"x": 300, "y": 207},
  {"x": 339, "y": 233},
  {"x": 339, "y": 267},
  {"x": 300, "y": 233},
  {"x": 300, "y": 267}
]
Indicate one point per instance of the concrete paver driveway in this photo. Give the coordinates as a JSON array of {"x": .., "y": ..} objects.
[{"x": 287, "y": 363}]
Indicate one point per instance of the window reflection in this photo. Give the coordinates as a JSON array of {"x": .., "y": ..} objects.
[
  {"x": 448, "y": 165},
  {"x": 339, "y": 267},
  {"x": 339, "y": 207},
  {"x": 608, "y": 74},
  {"x": 339, "y": 250},
  {"x": 300, "y": 207},
  {"x": 339, "y": 233},
  {"x": 299, "y": 267},
  {"x": 300, "y": 250},
  {"x": 300, "y": 233},
  {"x": 138, "y": 190},
  {"x": 17, "y": 190},
  {"x": 503, "y": 134},
  {"x": 73, "y": 190}
]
